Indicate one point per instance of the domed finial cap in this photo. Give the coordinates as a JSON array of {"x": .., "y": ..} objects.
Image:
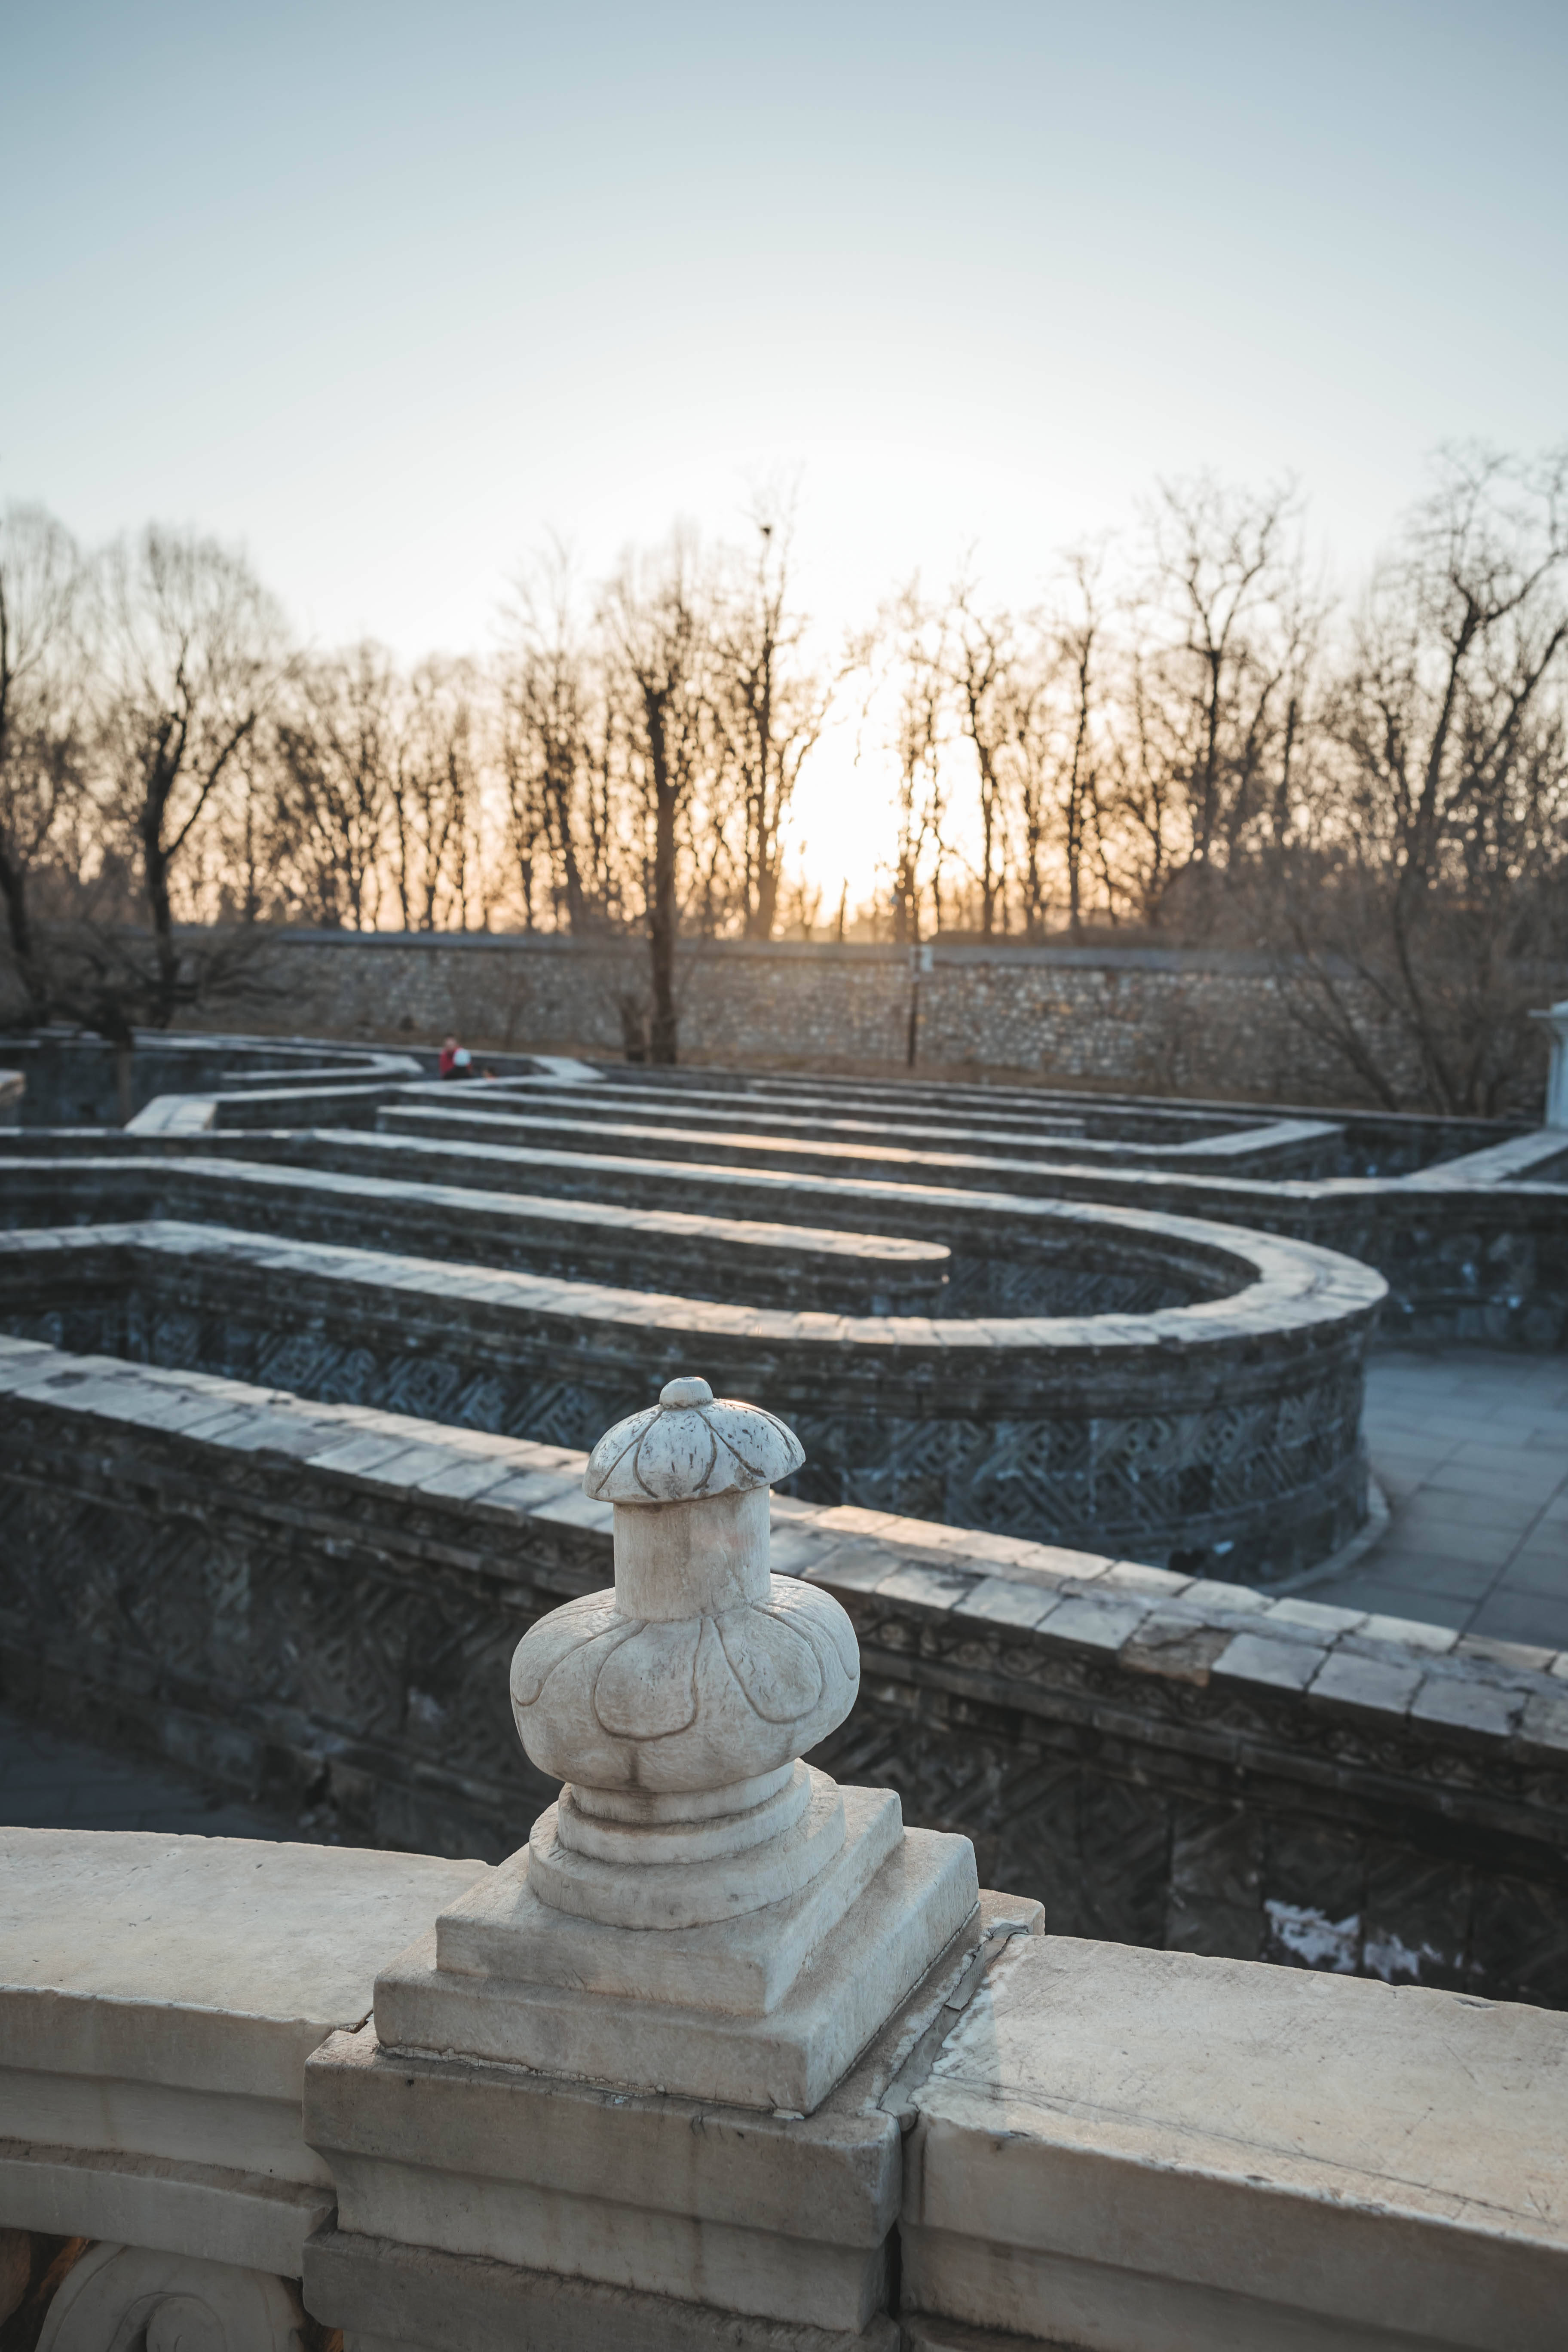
[{"x": 689, "y": 1446}]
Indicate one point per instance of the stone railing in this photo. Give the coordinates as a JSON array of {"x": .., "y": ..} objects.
[
  {"x": 724, "y": 2054},
  {"x": 315, "y": 1603}
]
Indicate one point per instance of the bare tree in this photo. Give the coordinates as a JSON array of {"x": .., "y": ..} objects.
[
  {"x": 909, "y": 652},
  {"x": 1074, "y": 659},
  {"x": 435, "y": 798},
  {"x": 44, "y": 684},
  {"x": 1212, "y": 663},
  {"x": 193, "y": 647},
  {"x": 546, "y": 740},
  {"x": 768, "y": 708},
  {"x": 656, "y": 619},
  {"x": 337, "y": 736},
  {"x": 1140, "y": 790},
  {"x": 1427, "y": 893},
  {"x": 981, "y": 664}
]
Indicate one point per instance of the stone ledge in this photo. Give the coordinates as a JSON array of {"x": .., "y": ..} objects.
[
  {"x": 412, "y": 2299},
  {"x": 1138, "y": 2147},
  {"x": 211, "y": 2211}
]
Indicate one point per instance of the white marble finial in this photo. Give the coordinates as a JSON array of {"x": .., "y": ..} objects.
[
  {"x": 700, "y": 1913},
  {"x": 675, "y": 1708}
]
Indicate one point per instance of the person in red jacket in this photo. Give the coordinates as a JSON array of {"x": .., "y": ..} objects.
[{"x": 445, "y": 1068}]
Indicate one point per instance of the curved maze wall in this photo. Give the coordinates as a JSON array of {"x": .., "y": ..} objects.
[
  {"x": 535, "y": 1258},
  {"x": 283, "y": 1477}
]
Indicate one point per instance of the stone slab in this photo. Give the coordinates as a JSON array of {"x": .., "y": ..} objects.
[
  {"x": 156, "y": 2119},
  {"x": 210, "y": 2212},
  {"x": 788, "y": 2058},
  {"x": 212, "y": 1964},
  {"x": 832, "y": 2175},
  {"x": 390, "y": 2298},
  {"x": 1147, "y": 2152}
]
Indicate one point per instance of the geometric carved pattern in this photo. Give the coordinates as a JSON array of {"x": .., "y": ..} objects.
[
  {"x": 996, "y": 1285},
  {"x": 1250, "y": 1488}
]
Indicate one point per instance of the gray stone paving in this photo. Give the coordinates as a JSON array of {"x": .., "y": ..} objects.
[
  {"x": 1471, "y": 1448},
  {"x": 47, "y": 1781}
]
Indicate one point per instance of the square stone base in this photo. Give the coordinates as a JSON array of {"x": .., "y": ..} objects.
[
  {"x": 777, "y": 2005},
  {"x": 484, "y": 2206}
]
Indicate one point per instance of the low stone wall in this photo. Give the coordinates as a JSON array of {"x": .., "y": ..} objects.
[
  {"x": 1223, "y": 1431},
  {"x": 1157, "y": 1021},
  {"x": 81, "y": 1081},
  {"x": 207, "y": 2143},
  {"x": 317, "y": 1604},
  {"x": 1464, "y": 1262}
]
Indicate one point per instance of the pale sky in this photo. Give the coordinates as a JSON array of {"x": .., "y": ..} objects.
[{"x": 386, "y": 293}]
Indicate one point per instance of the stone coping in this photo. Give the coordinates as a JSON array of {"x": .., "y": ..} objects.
[
  {"x": 1296, "y": 1289},
  {"x": 1248, "y": 960},
  {"x": 119, "y": 1948},
  {"x": 1210, "y": 2152},
  {"x": 1195, "y": 1112},
  {"x": 410, "y": 1106},
  {"x": 1537, "y": 1159},
  {"x": 1254, "y": 1203},
  {"x": 1048, "y": 1134},
  {"x": 333, "y": 1057},
  {"x": 282, "y": 1180},
  {"x": 1384, "y": 1672}
]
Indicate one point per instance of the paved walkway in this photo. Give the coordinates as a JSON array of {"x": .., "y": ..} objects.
[
  {"x": 51, "y": 1782},
  {"x": 1471, "y": 1447}
]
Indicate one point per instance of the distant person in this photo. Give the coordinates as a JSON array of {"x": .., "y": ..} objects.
[{"x": 456, "y": 1060}]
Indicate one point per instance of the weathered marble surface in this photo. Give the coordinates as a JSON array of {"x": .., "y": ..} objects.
[
  {"x": 1140, "y": 2152},
  {"x": 159, "y": 1997},
  {"x": 1147, "y": 2152}
]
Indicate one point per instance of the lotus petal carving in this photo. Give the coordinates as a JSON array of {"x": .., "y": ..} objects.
[
  {"x": 688, "y": 1452},
  {"x": 604, "y": 1700}
]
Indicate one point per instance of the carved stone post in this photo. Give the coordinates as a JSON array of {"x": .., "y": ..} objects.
[
  {"x": 700, "y": 1911},
  {"x": 1556, "y": 1019}
]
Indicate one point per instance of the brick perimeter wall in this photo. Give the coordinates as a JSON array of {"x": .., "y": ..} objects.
[{"x": 1143, "y": 1020}]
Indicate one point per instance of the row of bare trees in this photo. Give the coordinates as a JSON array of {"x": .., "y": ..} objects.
[
  {"x": 167, "y": 760},
  {"x": 1187, "y": 741},
  {"x": 1207, "y": 752}
]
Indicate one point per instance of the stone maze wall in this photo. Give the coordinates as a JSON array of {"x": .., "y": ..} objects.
[
  {"x": 1226, "y": 1430},
  {"x": 298, "y": 1365},
  {"x": 79, "y": 1081},
  {"x": 1158, "y": 1021},
  {"x": 316, "y": 1604}
]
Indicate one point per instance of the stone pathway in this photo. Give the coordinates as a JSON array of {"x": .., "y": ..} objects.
[
  {"x": 1471, "y": 1448},
  {"x": 49, "y": 1781}
]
